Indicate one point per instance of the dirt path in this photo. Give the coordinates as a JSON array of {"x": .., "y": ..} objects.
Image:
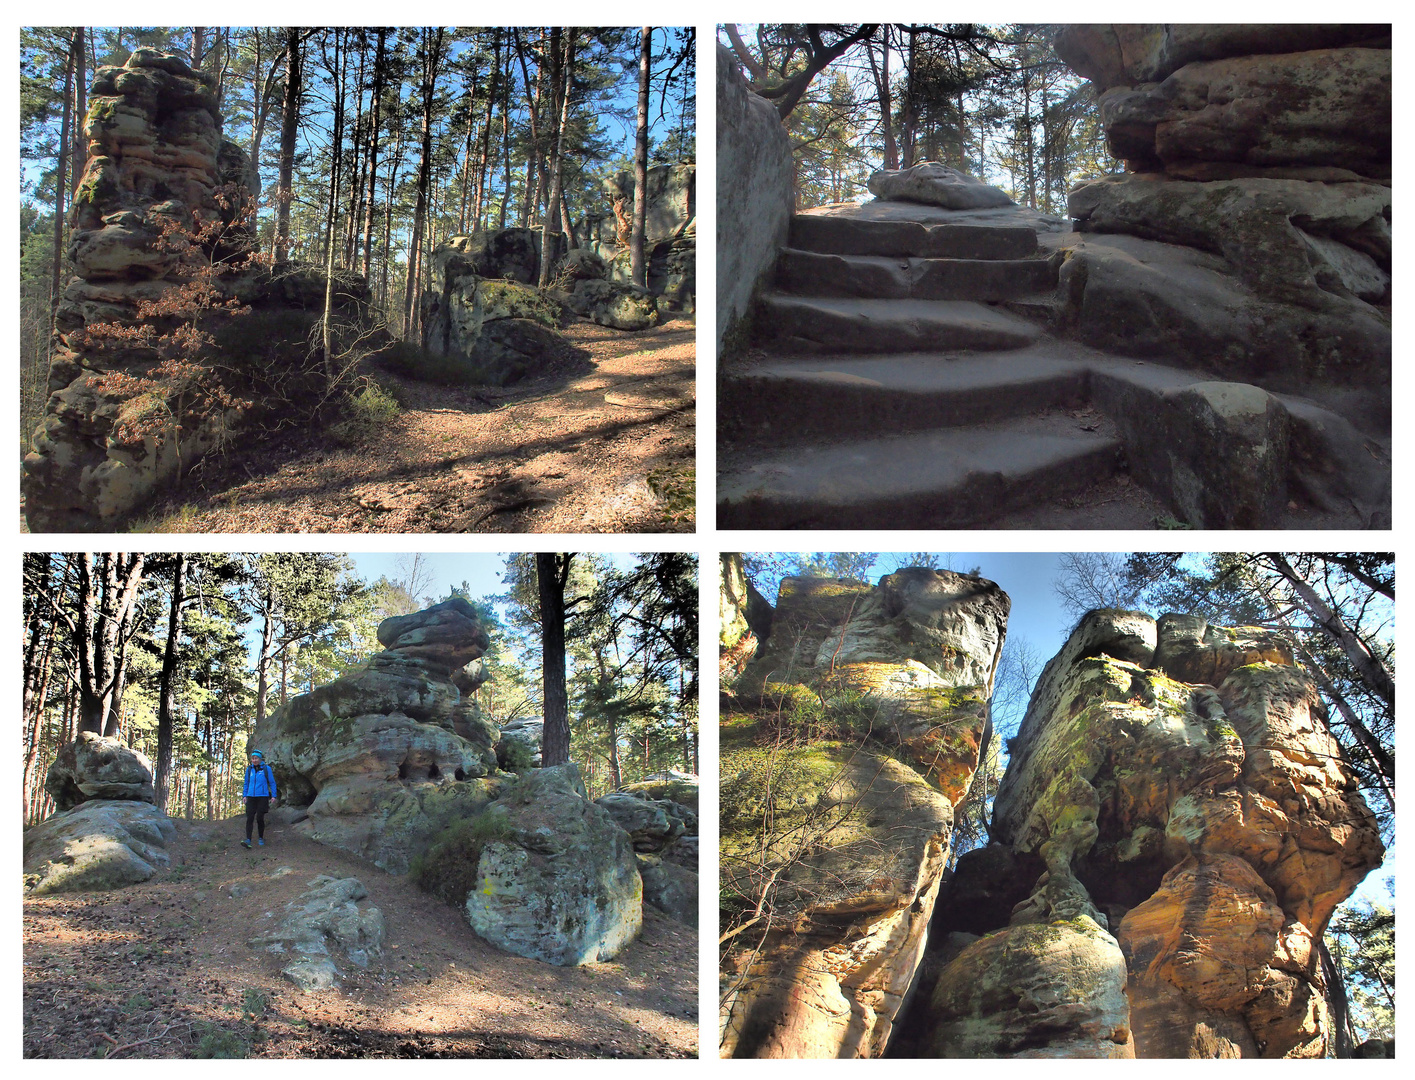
[
  {"x": 161, "y": 969},
  {"x": 610, "y": 451}
]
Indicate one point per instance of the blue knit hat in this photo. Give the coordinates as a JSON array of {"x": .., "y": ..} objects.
[{"x": 257, "y": 753}]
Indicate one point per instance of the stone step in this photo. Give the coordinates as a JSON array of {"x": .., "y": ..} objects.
[
  {"x": 813, "y": 273},
  {"x": 840, "y": 235},
  {"x": 956, "y": 478},
  {"x": 779, "y": 399},
  {"x": 814, "y": 324}
]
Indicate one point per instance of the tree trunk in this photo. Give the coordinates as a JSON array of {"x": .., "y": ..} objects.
[
  {"x": 79, "y": 157},
  {"x": 638, "y": 272},
  {"x": 482, "y": 186},
  {"x": 561, "y": 74},
  {"x": 166, "y": 683},
  {"x": 552, "y": 572},
  {"x": 378, "y": 66},
  {"x": 107, "y": 594},
  {"x": 886, "y": 105},
  {"x": 289, "y": 127},
  {"x": 329, "y": 373},
  {"x": 61, "y": 183},
  {"x": 431, "y": 61}
]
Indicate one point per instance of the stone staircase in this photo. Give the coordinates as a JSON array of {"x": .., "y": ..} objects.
[
  {"x": 938, "y": 407},
  {"x": 895, "y": 385}
]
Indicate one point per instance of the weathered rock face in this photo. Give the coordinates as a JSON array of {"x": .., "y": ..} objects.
[
  {"x": 860, "y": 838},
  {"x": 324, "y": 920},
  {"x": 383, "y": 758},
  {"x": 94, "y": 767},
  {"x": 754, "y": 210},
  {"x": 614, "y": 304},
  {"x": 161, "y": 241},
  {"x": 670, "y": 233},
  {"x": 557, "y": 881},
  {"x": 937, "y": 185},
  {"x": 101, "y": 844},
  {"x": 518, "y": 745},
  {"x": 479, "y": 314},
  {"x": 1174, "y": 785},
  {"x": 156, "y": 161},
  {"x": 736, "y": 643},
  {"x": 1259, "y": 164}
]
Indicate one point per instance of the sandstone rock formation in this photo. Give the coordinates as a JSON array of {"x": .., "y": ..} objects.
[
  {"x": 323, "y": 919},
  {"x": 518, "y": 745},
  {"x": 107, "y": 833},
  {"x": 615, "y": 304},
  {"x": 853, "y": 860},
  {"x": 392, "y": 763},
  {"x": 1259, "y": 166},
  {"x": 101, "y": 844},
  {"x": 484, "y": 315},
  {"x": 936, "y": 185},
  {"x": 664, "y": 834},
  {"x": 95, "y": 767},
  {"x": 161, "y": 239},
  {"x": 754, "y": 210},
  {"x": 670, "y": 233},
  {"x": 385, "y": 757},
  {"x": 1175, "y": 798},
  {"x": 556, "y": 879}
]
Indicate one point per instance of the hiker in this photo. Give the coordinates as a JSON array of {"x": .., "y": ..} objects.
[{"x": 259, "y": 789}]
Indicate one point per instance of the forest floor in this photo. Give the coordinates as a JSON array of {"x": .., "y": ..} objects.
[
  {"x": 162, "y": 969},
  {"x": 608, "y": 451}
]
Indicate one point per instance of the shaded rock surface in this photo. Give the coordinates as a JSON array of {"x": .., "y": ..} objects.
[
  {"x": 859, "y": 839},
  {"x": 162, "y": 200},
  {"x": 385, "y": 757},
  {"x": 324, "y": 921},
  {"x": 754, "y": 210},
  {"x": 98, "y": 845},
  {"x": 1259, "y": 160},
  {"x": 556, "y": 880},
  {"x": 484, "y": 314},
  {"x": 95, "y": 767},
  {"x": 518, "y": 745},
  {"x": 1174, "y": 785},
  {"x": 670, "y": 234}
]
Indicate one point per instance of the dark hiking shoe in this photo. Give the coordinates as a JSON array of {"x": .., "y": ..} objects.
[
  {"x": 245, "y": 844},
  {"x": 260, "y": 842}
]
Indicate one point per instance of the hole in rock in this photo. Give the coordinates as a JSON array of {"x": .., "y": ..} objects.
[
  {"x": 403, "y": 770},
  {"x": 459, "y": 774},
  {"x": 433, "y": 772}
]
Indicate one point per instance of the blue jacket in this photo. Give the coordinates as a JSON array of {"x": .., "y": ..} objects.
[{"x": 259, "y": 782}]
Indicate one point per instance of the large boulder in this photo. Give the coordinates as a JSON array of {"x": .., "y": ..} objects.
[
  {"x": 101, "y": 844},
  {"x": 1324, "y": 108},
  {"x": 1039, "y": 990},
  {"x": 936, "y": 185},
  {"x": 670, "y": 887},
  {"x": 1251, "y": 237},
  {"x": 652, "y": 824},
  {"x": 1129, "y": 53},
  {"x": 386, "y": 756},
  {"x": 556, "y": 879},
  {"x": 519, "y": 742},
  {"x": 754, "y": 209},
  {"x": 614, "y": 304},
  {"x": 95, "y": 767},
  {"x": 1176, "y": 785},
  {"x": 872, "y": 699}
]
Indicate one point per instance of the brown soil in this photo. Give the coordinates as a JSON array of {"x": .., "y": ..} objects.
[
  {"x": 154, "y": 969},
  {"x": 550, "y": 456}
]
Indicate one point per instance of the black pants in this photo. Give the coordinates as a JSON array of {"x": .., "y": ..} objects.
[{"x": 256, "y": 806}]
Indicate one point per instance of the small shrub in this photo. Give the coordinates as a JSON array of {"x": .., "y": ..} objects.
[
  {"x": 137, "y": 1003},
  {"x": 366, "y": 413},
  {"x": 448, "y": 869},
  {"x": 253, "y": 1003},
  {"x": 217, "y": 1042}
]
